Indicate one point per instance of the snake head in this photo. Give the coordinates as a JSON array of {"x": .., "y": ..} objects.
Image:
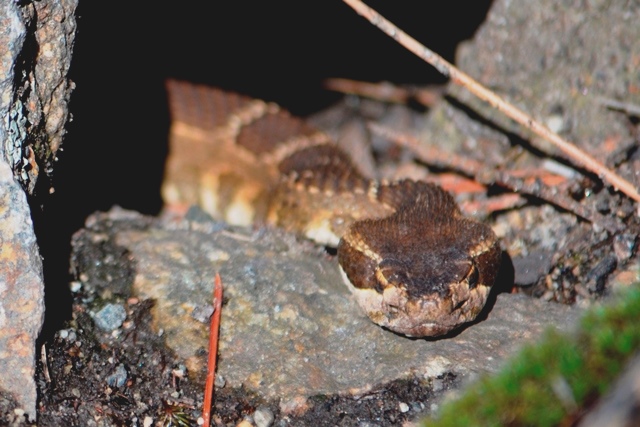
[
  {"x": 421, "y": 294},
  {"x": 418, "y": 274}
]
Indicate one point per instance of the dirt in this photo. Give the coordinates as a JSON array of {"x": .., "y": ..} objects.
[{"x": 81, "y": 385}]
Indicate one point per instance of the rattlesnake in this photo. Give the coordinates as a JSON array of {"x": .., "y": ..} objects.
[{"x": 414, "y": 263}]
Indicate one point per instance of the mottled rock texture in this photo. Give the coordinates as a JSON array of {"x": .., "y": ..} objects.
[
  {"x": 290, "y": 328},
  {"x": 35, "y": 51}
]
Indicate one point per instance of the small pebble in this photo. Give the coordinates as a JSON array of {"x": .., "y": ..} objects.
[
  {"x": 556, "y": 123},
  {"x": 67, "y": 334},
  {"x": 624, "y": 245},
  {"x": 219, "y": 381},
  {"x": 403, "y": 407},
  {"x": 180, "y": 371},
  {"x": 148, "y": 421},
  {"x": 263, "y": 417},
  {"x": 437, "y": 385},
  {"x": 118, "y": 378},
  {"x": 202, "y": 313},
  {"x": 417, "y": 406},
  {"x": 110, "y": 317}
]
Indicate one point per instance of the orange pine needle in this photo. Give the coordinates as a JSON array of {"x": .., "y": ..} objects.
[{"x": 214, "y": 330}]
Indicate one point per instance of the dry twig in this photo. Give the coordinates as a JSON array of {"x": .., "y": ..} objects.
[
  {"x": 578, "y": 156},
  {"x": 494, "y": 204},
  {"x": 512, "y": 180},
  {"x": 628, "y": 108},
  {"x": 213, "y": 350},
  {"x": 385, "y": 91}
]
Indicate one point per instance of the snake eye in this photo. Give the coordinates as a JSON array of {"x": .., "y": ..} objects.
[{"x": 473, "y": 276}]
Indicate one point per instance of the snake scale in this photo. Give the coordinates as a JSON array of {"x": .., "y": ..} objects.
[{"x": 415, "y": 265}]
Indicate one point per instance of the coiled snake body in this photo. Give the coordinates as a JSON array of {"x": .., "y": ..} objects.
[{"x": 414, "y": 264}]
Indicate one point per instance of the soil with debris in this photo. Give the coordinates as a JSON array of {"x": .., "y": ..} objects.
[
  {"x": 83, "y": 388},
  {"x": 98, "y": 378},
  {"x": 110, "y": 365}
]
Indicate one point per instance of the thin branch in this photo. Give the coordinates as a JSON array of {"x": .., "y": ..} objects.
[
  {"x": 429, "y": 154},
  {"x": 511, "y": 180},
  {"x": 578, "y": 156},
  {"x": 385, "y": 91},
  {"x": 631, "y": 109},
  {"x": 493, "y": 204},
  {"x": 214, "y": 330}
]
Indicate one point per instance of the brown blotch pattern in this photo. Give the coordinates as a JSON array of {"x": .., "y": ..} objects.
[
  {"x": 270, "y": 130},
  {"x": 202, "y": 106},
  {"x": 408, "y": 238}
]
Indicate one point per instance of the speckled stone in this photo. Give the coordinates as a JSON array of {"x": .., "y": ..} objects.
[
  {"x": 619, "y": 407},
  {"x": 110, "y": 317},
  {"x": 290, "y": 328},
  {"x": 550, "y": 59},
  {"x": 36, "y": 40},
  {"x": 21, "y": 293}
]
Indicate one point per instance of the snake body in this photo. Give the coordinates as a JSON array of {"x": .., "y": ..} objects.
[{"x": 414, "y": 264}]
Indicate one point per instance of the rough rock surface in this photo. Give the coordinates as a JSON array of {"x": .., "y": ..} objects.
[
  {"x": 21, "y": 294},
  {"x": 620, "y": 407},
  {"x": 35, "y": 53},
  {"x": 559, "y": 61},
  {"x": 290, "y": 328}
]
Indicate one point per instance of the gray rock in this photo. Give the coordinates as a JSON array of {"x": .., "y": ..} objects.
[
  {"x": 21, "y": 293},
  {"x": 555, "y": 61},
  {"x": 620, "y": 407},
  {"x": 118, "y": 378},
  {"x": 110, "y": 317},
  {"x": 263, "y": 417},
  {"x": 35, "y": 50},
  {"x": 290, "y": 328}
]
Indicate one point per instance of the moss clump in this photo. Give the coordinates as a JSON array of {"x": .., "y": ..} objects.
[{"x": 551, "y": 383}]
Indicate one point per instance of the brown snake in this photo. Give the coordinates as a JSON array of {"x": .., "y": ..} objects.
[{"x": 414, "y": 263}]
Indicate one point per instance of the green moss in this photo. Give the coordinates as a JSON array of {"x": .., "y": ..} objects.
[{"x": 550, "y": 383}]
